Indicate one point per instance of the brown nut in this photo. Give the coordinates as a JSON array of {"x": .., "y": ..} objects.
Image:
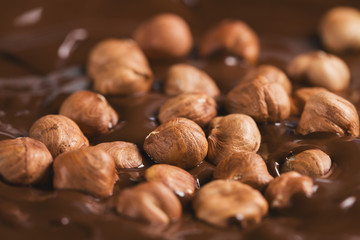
[
  {"x": 313, "y": 163},
  {"x": 58, "y": 133},
  {"x": 301, "y": 95},
  {"x": 180, "y": 142},
  {"x": 176, "y": 179},
  {"x": 280, "y": 191},
  {"x": 328, "y": 112},
  {"x": 90, "y": 111},
  {"x": 164, "y": 36},
  {"x": 246, "y": 167},
  {"x": 151, "y": 202},
  {"x": 340, "y": 29},
  {"x": 223, "y": 202},
  {"x": 231, "y": 134},
  {"x": 89, "y": 169},
  {"x": 320, "y": 69},
  {"x": 24, "y": 161},
  {"x": 119, "y": 67},
  {"x": 125, "y": 154},
  {"x": 233, "y": 36},
  {"x": 184, "y": 78},
  {"x": 199, "y": 107},
  {"x": 263, "y": 100}
]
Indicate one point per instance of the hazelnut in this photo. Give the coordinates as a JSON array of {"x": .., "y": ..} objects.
[
  {"x": 24, "y": 161},
  {"x": 233, "y": 36},
  {"x": 231, "y": 134},
  {"x": 320, "y": 69},
  {"x": 263, "y": 100},
  {"x": 90, "y": 111},
  {"x": 184, "y": 78},
  {"x": 125, "y": 154},
  {"x": 301, "y": 95},
  {"x": 328, "y": 112},
  {"x": 180, "y": 142},
  {"x": 176, "y": 179},
  {"x": 340, "y": 29},
  {"x": 89, "y": 169},
  {"x": 58, "y": 133},
  {"x": 164, "y": 36},
  {"x": 150, "y": 202},
  {"x": 199, "y": 107},
  {"x": 222, "y": 202},
  {"x": 280, "y": 190},
  {"x": 119, "y": 67},
  {"x": 246, "y": 167}
]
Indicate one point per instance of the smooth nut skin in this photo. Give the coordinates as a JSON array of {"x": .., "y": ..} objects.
[
  {"x": 301, "y": 96},
  {"x": 340, "y": 29},
  {"x": 184, "y": 78},
  {"x": 328, "y": 112},
  {"x": 263, "y": 100},
  {"x": 313, "y": 163},
  {"x": 150, "y": 202},
  {"x": 89, "y": 169},
  {"x": 233, "y": 36},
  {"x": 59, "y": 134},
  {"x": 280, "y": 191},
  {"x": 90, "y": 111},
  {"x": 24, "y": 161},
  {"x": 222, "y": 202},
  {"x": 176, "y": 179},
  {"x": 119, "y": 67},
  {"x": 180, "y": 142},
  {"x": 246, "y": 167},
  {"x": 199, "y": 107},
  {"x": 320, "y": 69},
  {"x": 230, "y": 134},
  {"x": 164, "y": 36}
]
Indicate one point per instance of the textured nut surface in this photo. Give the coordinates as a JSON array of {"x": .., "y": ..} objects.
[
  {"x": 180, "y": 142},
  {"x": 263, "y": 100},
  {"x": 199, "y": 107},
  {"x": 328, "y": 112},
  {"x": 221, "y": 202},
  {"x": 59, "y": 134},
  {"x": 91, "y": 111},
  {"x": 164, "y": 36},
  {"x": 184, "y": 78},
  {"x": 151, "y": 202},
  {"x": 230, "y": 134},
  {"x": 119, "y": 67},
  {"x": 246, "y": 167},
  {"x": 233, "y": 36},
  {"x": 281, "y": 189},
  {"x": 24, "y": 160},
  {"x": 301, "y": 95},
  {"x": 89, "y": 169}
]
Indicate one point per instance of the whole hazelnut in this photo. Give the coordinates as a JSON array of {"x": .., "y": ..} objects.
[
  {"x": 263, "y": 100},
  {"x": 280, "y": 190},
  {"x": 164, "y": 36},
  {"x": 199, "y": 107},
  {"x": 231, "y": 134},
  {"x": 119, "y": 67},
  {"x": 301, "y": 95},
  {"x": 58, "y": 133},
  {"x": 150, "y": 202},
  {"x": 180, "y": 142},
  {"x": 328, "y": 112},
  {"x": 233, "y": 36},
  {"x": 90, "y": 111},
  {"x": 223, "y": 202},
  {"x": 88, "y": 169},
  {"x": 340, "y": 29},
  {"x": 24, "y": 161},
  {"x": 184, "y": 78},
  {"x": 320, "y": 69}
]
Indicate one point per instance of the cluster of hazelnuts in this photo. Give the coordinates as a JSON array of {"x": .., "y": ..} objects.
[{"x": 242, "y": 189}]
